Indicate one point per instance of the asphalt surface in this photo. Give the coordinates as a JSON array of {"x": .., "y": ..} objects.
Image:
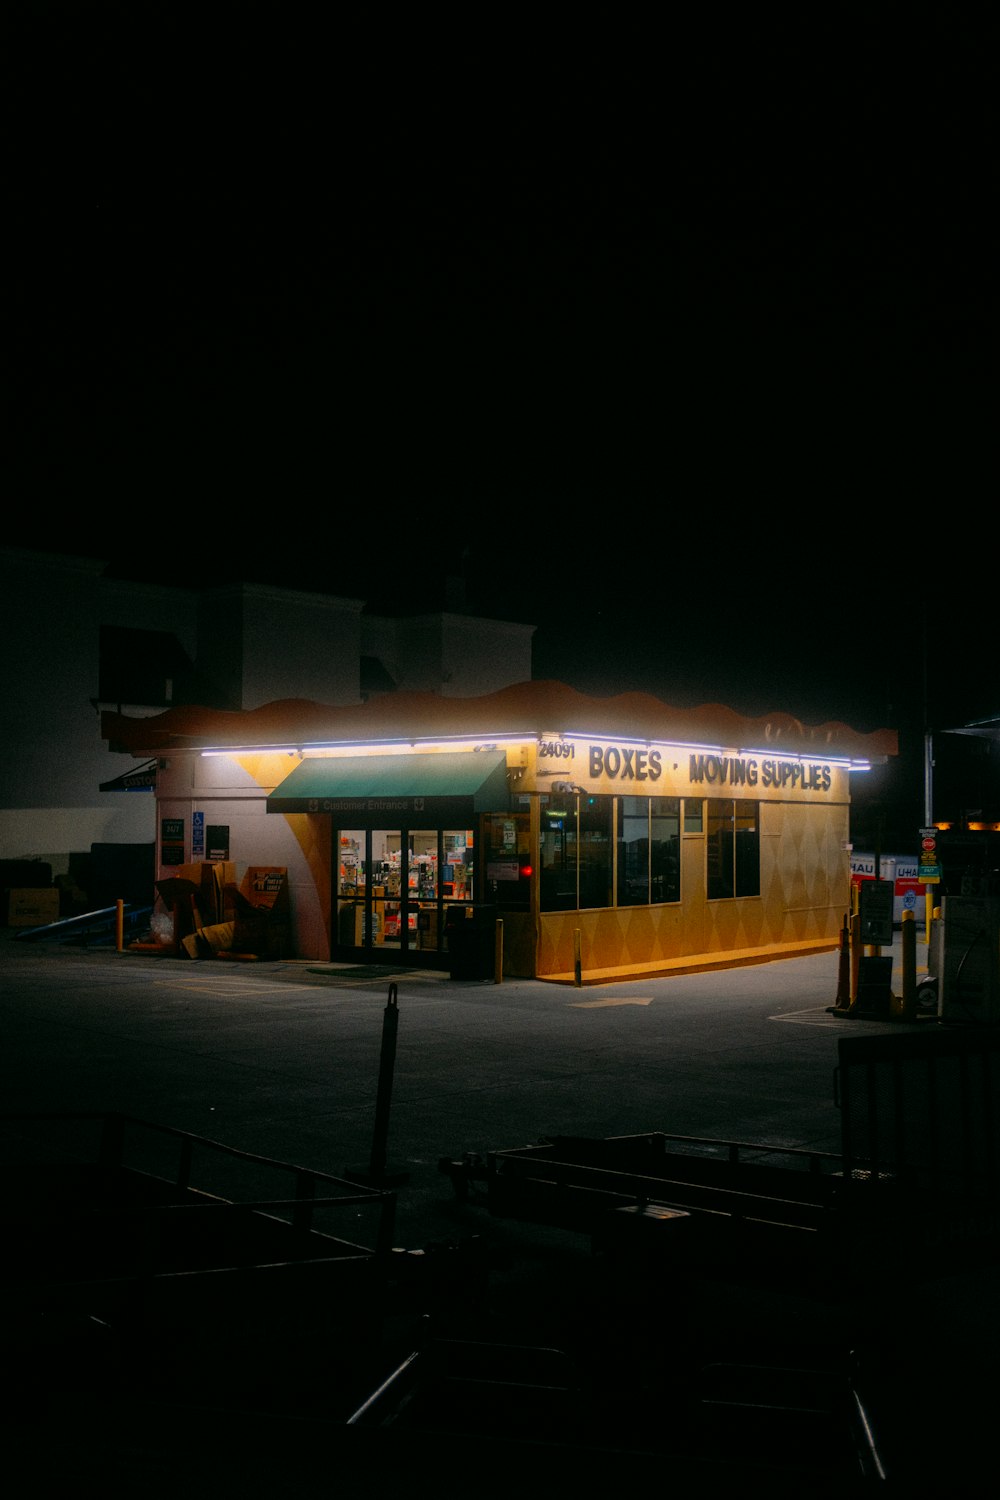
[
  {"x": 285, "y": 1059},
  {"x": 386, "y": 1078}
]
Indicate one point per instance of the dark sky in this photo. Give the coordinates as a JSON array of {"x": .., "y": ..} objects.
[{"x": 675, "y": 340}]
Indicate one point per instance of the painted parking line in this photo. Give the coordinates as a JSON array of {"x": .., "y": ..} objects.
[
  {"x": 208, "y": 987},
  {"x": 818, "y": 1016},
  {"x": 611, "y": 1000}
]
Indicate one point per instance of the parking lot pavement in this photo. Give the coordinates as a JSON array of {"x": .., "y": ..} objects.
[{"x": 289, "y": 1061}]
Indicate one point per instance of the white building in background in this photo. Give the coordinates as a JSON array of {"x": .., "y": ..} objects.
[{"x": 76, "y": 642}]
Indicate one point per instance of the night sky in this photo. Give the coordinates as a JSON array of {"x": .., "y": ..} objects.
[{"x": 677, "y": 341}]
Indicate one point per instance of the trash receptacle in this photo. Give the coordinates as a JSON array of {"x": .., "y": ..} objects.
[{"x": 471, "y": 934}]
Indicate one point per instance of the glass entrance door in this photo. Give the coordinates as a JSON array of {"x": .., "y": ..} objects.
[
  {"x": 355, "y": 890},
  {"x": 370, "y": 889},
  {"x": 394, "y": 885}
]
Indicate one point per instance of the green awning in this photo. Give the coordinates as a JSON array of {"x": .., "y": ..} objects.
[{"x": 384, "y": 791}]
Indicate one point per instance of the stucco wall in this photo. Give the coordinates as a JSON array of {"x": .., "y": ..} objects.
[
  {"x": 805, "y": 894},
  {"x": 258, "y": 645},
  {"x": 54, "y": 758},
  {"x": 232, "y": 793}
]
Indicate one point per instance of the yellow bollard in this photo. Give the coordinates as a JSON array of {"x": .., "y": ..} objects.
[{"x": 120, "y": 925}]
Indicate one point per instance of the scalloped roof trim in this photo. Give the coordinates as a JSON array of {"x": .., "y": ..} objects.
[{"x": 530, "y": 708}]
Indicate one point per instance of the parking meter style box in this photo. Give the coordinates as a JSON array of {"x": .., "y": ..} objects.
[{"x": 902, "y": 871}]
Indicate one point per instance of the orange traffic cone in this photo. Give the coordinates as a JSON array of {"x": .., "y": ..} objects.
[{"x": 843, "y": 1000}]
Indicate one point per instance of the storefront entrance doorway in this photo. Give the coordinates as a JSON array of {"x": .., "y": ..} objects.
[{"x": 394, "y": 887}]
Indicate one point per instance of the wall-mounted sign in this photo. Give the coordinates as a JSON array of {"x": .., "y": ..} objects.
[
  {"x": 197, "y": 836},
  {"x": 171, "y": 841},
  {"x": 652, "y": 770},
  {"x": 928, "y": 868},
  {"x": 218, "y": 841},
  {"x": 876, "y": 900}
]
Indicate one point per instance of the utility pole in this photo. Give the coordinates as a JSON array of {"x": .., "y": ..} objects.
[
  {"x": 928, "y": 744},
  {"x": 928, "y": 788}
]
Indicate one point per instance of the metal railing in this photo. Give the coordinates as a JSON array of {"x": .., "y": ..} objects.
[{"x": 311, "y": 1190}]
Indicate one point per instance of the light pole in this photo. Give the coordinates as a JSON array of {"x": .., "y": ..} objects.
[
  {"x": 928, "y": 743},
  {"x": 928, "y": 791}
]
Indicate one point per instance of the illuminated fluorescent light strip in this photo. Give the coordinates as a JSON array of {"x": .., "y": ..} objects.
[
  {"x": 480, "y": 742},
  {"x": 800, "y": 755},
  {"x": 398, "y": 746},
  {"x": 794, "y": 755},
  {"x": 645, "y": 744}
]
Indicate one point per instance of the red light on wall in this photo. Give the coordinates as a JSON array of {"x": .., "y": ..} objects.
[{"x": 527, "y": 871}]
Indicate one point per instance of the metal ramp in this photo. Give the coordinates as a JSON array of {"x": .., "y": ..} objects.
[
  {"x": 531, "y": 1411},
  {"x": 93, "y": 927},
  {"x": 920, "y": 1126},
  {"x": 923, "y": 1110},
  {"x": 188, "y": 1273},
  {"x": 692, "y": 1200}
]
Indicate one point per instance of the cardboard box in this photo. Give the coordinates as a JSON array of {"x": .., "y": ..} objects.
[
  {"x": 215, "y": 876},
  {"x": 32, "y": 908},
  {"x": 266, "y": 887},
  {"x": 197, "y": 896},
  {"x": 262, "y": 912}
]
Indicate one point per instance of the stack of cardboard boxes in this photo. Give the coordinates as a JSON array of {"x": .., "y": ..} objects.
[{"x": 213, "y": 917}]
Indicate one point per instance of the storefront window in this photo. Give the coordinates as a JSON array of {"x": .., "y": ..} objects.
[
  {"x": 733, "y": 849},
  {"x": 351, "y": 875},
  {"x": 593, "y": 851},
  {"x": 633, "y": 851},
  {"x": 664, "y": 849},
  {"x": 508, "y": 856},
  {"x": 459, "y": 865},
  {"x": 557, "y": 877},
  {"x": 422, "y": 865},
  {"x": 648, "y": 850}
]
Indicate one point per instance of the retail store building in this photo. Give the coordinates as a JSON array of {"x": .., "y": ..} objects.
[{"x": 605, "y": 835}]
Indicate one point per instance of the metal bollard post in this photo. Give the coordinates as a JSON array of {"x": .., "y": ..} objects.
[
  {"x": 498, "y": 953},
  {"x": 909, "y": 941},
  {"x": 855, "y": 955},
  {"x": 843, "y": 1000},
  {"x": 577, "y": 961},
  {"x": 387, "y": 1063},
  {"x": 377, "y": 1174}
]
